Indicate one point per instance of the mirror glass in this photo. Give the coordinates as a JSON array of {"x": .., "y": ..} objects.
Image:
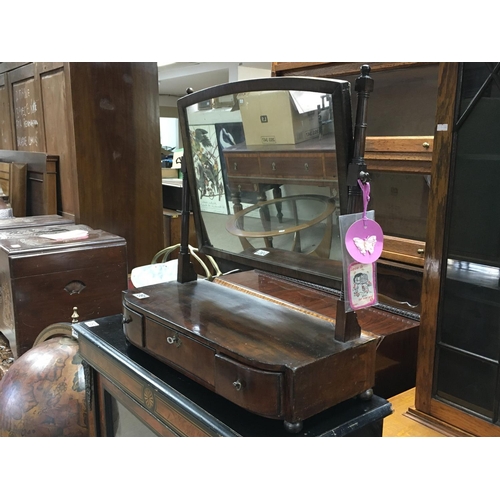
[{"x": 264, "y": 165}]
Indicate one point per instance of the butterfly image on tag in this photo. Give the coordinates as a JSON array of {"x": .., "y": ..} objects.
[
  {"x": 364, "y": 241},
  {"x": 366, "y": 245}
]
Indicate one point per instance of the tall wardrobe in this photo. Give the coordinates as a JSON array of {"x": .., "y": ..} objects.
[{"x": 101, "y": 122}]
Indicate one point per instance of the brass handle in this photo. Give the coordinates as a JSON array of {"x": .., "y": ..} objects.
[
  {"x": 306, "y": 166},
  {"x": 426, "y": 145},
  {"x": 273, "y": 165},
  {"x": 237, "y": 385},
  {"x": 420, "y": 251},
  {"x": 235, "y": 166}
]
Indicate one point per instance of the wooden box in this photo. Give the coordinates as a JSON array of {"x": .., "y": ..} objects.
[
  {"x": 42, "y": 279},
  {"x": 275, "y": 361}
]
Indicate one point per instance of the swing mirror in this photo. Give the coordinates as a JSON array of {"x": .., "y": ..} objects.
[{"x": 266, "y": 161}]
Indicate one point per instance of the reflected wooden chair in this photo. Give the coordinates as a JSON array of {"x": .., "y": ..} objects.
[
  {"x": 201, "y": 262},
  {"x": 13, "y": 182}
]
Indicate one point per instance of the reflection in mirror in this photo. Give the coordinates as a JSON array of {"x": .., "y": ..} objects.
[{"x": 265, "y": 168}]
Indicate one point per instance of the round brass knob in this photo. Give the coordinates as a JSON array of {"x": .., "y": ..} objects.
[
  {"x": 237, "y": 385},
  {"x": 426, "y": 145},
  {"x": 420, "y": 251}
]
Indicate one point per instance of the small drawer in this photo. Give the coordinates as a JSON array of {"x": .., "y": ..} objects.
[
  {"x": 242, "y": 165},
  {"x": 188, "y": 355},
  {"x": 241, "y": 186},
  {"x": 331, "y": 170},
  {"x": 133, "y": 326},
  {"x": 298, "y": 166},
  {"x": 255, "y": 390}
]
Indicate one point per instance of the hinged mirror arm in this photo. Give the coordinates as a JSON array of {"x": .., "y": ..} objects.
[
  {"x": 185, "y": 270},
  {"x": 347, "y": 326}
]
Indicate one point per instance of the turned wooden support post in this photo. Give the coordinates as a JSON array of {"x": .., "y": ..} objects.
[
  {"x": 347, "y": 326},
  {"x": 185, "y": 270},
  {"x": 357, "y": 168}
]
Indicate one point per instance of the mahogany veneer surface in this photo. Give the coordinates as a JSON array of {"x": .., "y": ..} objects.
[
  {"x": 398, "y": 336},
  {"x": 273, "y": 360}
]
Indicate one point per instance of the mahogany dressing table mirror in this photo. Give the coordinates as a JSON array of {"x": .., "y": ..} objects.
[{"x": 265, "y": 174}]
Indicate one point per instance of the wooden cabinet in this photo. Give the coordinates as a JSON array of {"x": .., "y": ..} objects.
[
  {"x": 102, "y": 121},
  {"x": 211, "y": 333},
  {"x": 458, "y": 359},
  {"x": 31, "y": 182},
  {"x": 399, "y": 148},
  {"x": 46, "y": 271}
]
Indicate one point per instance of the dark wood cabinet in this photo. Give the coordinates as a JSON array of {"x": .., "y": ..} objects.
[
  {"x": 31, "y": 180},
  {"x": 47, "y": 270},
  {"x": 102, "y": 122},
  {"x": 458, "y": 362}
]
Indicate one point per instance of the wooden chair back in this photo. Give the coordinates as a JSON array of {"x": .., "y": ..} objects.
[{"x": 13, "y": 185}]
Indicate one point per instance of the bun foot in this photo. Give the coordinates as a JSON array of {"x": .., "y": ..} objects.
[
  {"x": 293, "y": 427},
  {"x": 366, "y": 395}
]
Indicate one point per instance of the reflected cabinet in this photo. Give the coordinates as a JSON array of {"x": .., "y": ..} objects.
[{"x": 458, "y": 373}]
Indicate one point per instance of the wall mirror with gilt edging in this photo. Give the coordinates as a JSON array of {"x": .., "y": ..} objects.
[{"x": 266, "y": 161}]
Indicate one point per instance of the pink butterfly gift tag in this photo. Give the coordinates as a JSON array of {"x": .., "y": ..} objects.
[{"x": 364, "y": 239}]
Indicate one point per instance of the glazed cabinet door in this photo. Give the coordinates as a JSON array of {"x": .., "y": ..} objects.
[{"x": 464, "y": 386}]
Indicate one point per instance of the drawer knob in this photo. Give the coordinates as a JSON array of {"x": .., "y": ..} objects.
[
  {"x": 306, "y": 166},
  {"x": 174, "y": 340},
  {"x": 420, "y": 251},
  {"x": 126, "y": 320},
  {"x": 238, "y": 385},
  {"x": 426, "y": 145},
  {"x": 273, "y": 165},
  {"x": 235, "y": 166}
]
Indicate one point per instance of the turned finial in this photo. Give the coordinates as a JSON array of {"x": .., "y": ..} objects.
[{"x": 75, "y": 315}]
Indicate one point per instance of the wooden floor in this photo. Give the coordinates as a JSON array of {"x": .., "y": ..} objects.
[{"x": 400, "y": 425}]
